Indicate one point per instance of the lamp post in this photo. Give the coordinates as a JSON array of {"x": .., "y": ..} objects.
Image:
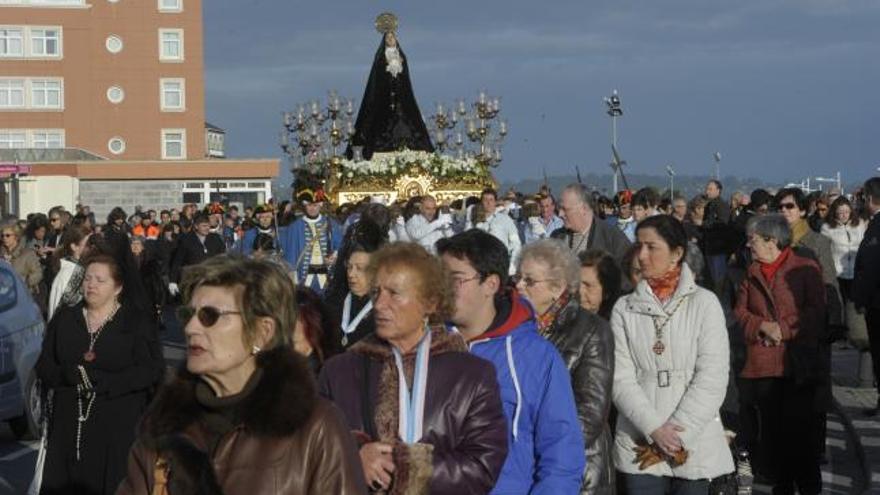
[
  {"x": 614, "y": 111},
  {"x": 717, "y": 157},
  {"x": 671, "y": 172}
]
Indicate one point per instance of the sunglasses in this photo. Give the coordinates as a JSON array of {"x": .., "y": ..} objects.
[
  {"x": 787, "y": 206},
  {"x": 207, "y": 315}
]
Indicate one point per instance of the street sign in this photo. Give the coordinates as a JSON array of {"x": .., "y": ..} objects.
[{"x": 11, "y": 168}]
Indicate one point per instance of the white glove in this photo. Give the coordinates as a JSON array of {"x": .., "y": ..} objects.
[{"x": 173, "y": 289}]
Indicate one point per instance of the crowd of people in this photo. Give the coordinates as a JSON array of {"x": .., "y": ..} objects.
[{"x": 507, "y": 345}]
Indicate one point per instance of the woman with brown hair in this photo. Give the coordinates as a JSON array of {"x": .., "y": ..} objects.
[
  {"x": 67, "y": 284},
  {"x": 244, "y": 415},
  {"x": 311, "y": 334},
  {"x": 102, "y": 359},
  {"x": 427, "y": 413}
]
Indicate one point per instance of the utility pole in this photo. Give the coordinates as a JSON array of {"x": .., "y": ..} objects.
[{"x": 615, "y": 111}]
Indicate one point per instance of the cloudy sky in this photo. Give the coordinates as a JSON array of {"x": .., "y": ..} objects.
[{"x": 782, "y": 88}]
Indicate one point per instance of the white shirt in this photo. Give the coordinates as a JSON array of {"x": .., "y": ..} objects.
[
  {"x": 426, "y": 233},
  {"x": 503, "y": 227}
]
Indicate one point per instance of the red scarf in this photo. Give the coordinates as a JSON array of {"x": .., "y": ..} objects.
[
  {"x": 664, "y": 286},
  {"x": 769, "y": 269}
]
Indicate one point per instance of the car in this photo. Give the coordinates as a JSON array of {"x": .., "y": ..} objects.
[{"x": 21, "y": 338}]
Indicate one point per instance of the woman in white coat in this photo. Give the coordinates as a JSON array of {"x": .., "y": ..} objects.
[
  {"x": 671, "y": 372},
  {"x": 68, "y": 272},
  {"x": 846, "y": 229}
]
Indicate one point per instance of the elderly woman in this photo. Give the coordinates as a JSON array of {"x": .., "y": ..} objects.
[
  {"x": 348, "y": 293},
  {"x": 245, "y": 412},
  {"x": 23, "y": 260},
  {"x": 548, "y": 277},
  {"x": 781, "y": 308},
  {"x": 102, "y": 359},
  {"x": 670, "y": 371},
  {"x": 427, "y": 413},
  {"x": 67, "y": 284},
  {"x": 601, "y": 281}
]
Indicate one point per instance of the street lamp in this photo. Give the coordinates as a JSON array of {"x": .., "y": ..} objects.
[
  {"x": 614, "y": 111},
  {"x": 671, "y": 172},
  {"x": 717, "y": 157}
]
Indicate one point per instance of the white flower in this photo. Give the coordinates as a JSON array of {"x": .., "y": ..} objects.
[{"x": 350, "y": 175}]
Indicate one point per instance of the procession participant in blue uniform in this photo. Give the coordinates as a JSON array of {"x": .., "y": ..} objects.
[
  {"x": 265, "y": 224},
  {"x": 311, "y": 242}
]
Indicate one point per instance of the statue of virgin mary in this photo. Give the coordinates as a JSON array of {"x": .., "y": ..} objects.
[{"x": 389, "y": 118}]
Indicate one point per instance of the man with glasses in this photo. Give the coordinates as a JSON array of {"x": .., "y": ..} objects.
[
  {"x": 866, "y": 285},
  {"x": 546, "y": 453}
]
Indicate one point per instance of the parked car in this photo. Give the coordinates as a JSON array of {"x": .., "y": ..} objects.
[{"x": 21, "y": 337}]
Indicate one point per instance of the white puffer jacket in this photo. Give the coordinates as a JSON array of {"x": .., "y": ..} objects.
[
  {"x": 845, "y": 240},
  {"x": 686, "y": 384}
]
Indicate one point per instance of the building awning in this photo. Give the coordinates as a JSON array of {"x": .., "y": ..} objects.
[{"x": 159, "y": 169}]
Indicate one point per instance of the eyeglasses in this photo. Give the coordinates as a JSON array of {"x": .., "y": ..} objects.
[
  {"x": 207, "y": 315},
  {"x": 787, "y": 206},
  {"x": 528, "y": 281},
  {"x": 458, "y": 282}
]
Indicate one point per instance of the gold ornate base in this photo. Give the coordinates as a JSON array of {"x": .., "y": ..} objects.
[{"x": 390, "y": 177}]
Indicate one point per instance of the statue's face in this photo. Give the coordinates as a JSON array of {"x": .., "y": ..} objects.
[{"x": 390, "y": 40}]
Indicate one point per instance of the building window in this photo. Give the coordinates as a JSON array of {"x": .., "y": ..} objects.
[
  {"x": 116, "y": 145},
  {"x": 11, "y": 42},
  {"x": 113, "y": 44},
  {"x": 13, "y": 138},
  {"x": 45, "y": 42},
  {"x": 173, "y": 95},
  {"x": 170, "y": 5},
  {"x": 11, "y": 93},
  {"x": 115, "y": 94},
  {"x": 171, "y": 44},
  {"x": 174, "y": 144},
  {"x": 46, "y": 93},
  {"x": 47, "y": 138}
]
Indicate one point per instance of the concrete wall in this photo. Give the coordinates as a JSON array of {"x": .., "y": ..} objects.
[
  {"x": 103, "y": 196},
  {"x": 40, "y": 193}
]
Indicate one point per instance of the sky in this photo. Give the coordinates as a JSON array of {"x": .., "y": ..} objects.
[{"x": 783, "y": 89}]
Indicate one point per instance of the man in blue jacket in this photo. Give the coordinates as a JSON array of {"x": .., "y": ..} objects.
[{"x": 546, "y": 453}]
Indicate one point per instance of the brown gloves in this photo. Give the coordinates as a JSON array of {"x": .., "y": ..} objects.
[{"x": 648, "y": 455}]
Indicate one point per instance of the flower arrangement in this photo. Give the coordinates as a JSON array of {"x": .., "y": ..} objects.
[{"x": 389, "y": 165}]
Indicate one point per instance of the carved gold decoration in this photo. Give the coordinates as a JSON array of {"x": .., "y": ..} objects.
[{"x": 386, "y": 23}]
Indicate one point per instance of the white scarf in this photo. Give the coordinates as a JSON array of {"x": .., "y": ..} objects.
[
  {"x": 412, "y": 405},
  {"x": 349, "y": 325}
]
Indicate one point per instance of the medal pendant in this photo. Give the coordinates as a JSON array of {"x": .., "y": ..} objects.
[
  {"x": 344, "y": 340},
  {"x": 659, "y": 348},
  {"x": 89, "y": 356}
]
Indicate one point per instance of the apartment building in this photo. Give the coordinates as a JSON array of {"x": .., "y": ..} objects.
[{"x": 102, "y": 103}]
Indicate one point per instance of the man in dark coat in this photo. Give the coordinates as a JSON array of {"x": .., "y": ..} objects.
[
  {"x": 583, "y": 231},
  {"x": 195, "y": 247},
  {"x": 866, "y": 285}
]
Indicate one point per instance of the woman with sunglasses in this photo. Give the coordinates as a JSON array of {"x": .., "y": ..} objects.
[
  {"x": 245, "y": 405},
  {"x": 24, "y": 261},
  {"x": 102, "y": 360},
  {"x": 670, "y": 372},
  {"x": 548, "y": 276},
  {"x": 426, "y": 412},
  {"x": 67, "y": 284}
]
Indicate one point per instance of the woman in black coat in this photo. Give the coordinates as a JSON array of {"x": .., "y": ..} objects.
[
  {"x": 102, "y": 360},
  {"x": 548, "y": 276}
]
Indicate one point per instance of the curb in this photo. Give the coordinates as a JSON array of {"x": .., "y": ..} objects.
[{"x": 865, "y": 485}]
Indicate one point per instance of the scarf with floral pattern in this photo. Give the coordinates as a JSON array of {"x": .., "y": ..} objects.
[
  {"x": 664, "y": 286},
  {"x": 547, "y": 318}
]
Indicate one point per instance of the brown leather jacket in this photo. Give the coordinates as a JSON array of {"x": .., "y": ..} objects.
[{"x": 285, "y": 439}]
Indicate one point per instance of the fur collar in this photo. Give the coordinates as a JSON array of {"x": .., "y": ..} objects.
[
  {"x": 441, "y": 341},
  {"x": 280, "y": 403}
]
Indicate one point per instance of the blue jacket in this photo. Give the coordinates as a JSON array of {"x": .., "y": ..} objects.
[{"x": 546, "y": 446}]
